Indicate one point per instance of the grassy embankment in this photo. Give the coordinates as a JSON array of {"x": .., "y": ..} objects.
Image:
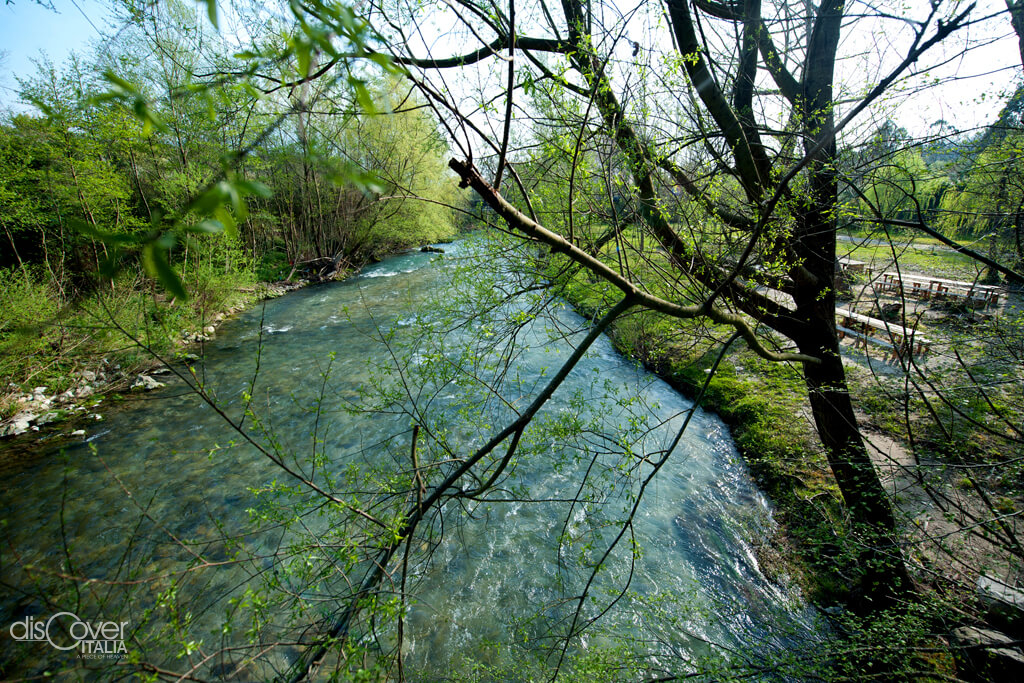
[{"x": 77, "y": 347}]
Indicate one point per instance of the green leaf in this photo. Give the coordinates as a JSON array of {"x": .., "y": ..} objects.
[
  {"x": 211, "y": 11},
  {"x": 384, "y": 61},
  {"x": 252, "y": 187},
  {"x": 166, "y": 241},
  {"x": 363, "y": 96},
  {"x": 208, "y": 226},
  {"x": 119, "y": 83},
  {"x": 154, "y": 259},
  {"x": 230, "y": 192},
  {"x": 206, "y": 203},
  {"x": 228, "y": 221},
  {"x": 303, "y": 55},
  {"x": 41, "y": 106},
  {"x": 148, "y": 118}
]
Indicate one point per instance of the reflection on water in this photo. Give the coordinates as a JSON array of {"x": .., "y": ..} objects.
[{"x": 163, "y": 481}]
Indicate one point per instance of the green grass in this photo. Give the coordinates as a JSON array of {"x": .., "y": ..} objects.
[
  {"x": 900, "y": 238},
  {"x": 945, "y": 263}
]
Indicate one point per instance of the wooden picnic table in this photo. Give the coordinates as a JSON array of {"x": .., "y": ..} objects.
[
  {"x": 901, "y": 340},
  {"x": 849, "y": 264},
  {"x": 927, "y": 287}
]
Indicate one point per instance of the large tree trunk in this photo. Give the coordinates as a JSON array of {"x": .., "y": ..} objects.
[
  {"x": 884, "y": 577},
  {"x": 883, "y": 573}
]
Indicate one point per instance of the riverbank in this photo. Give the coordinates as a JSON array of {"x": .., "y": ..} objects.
[
  {"x": 73, "y": 383},
  {"x": 113, "y": 354}
]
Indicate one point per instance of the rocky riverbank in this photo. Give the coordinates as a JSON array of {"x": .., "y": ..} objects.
[{"x": 109, "y": 375}]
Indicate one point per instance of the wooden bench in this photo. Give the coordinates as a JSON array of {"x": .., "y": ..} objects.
[{"x": 861, "y": 339}]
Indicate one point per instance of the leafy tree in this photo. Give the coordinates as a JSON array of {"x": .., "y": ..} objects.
[
  {"x": 989, "y": 200},
  {"x": 901, "y": 186}
]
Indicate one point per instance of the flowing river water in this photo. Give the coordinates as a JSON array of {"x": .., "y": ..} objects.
[{"x": 163, "y": 474}]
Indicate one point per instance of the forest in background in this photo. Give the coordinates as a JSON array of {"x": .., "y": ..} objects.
[{"x": 312, "y": 183}]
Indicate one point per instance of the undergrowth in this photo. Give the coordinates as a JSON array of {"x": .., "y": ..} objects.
[{"x": 47, "y": 338}]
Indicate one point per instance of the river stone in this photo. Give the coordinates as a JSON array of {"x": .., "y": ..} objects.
[
  {"x": 87, "y": 375},
  {"x": 20, "y": 423},
  {"x": 1004, "y": 604},
  {"x": 980, "y": 651},
  {"x": 146, "y": 383},
  {"x": 47, "y": 418}
]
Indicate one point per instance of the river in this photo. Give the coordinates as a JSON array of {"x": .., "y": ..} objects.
[{"x": 164, "y": 519}]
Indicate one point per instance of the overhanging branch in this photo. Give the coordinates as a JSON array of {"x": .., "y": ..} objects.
[
  {"x": 519, "y": 222},
  {"x": 1010, "y": 274}
]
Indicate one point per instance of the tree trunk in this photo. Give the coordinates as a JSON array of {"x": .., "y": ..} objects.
[
  {"x": 1016, "y": 9},
  {"x": 884, "y": 577}
]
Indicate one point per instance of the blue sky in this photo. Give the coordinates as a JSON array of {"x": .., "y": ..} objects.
[{"x": 25, "y": 28}]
